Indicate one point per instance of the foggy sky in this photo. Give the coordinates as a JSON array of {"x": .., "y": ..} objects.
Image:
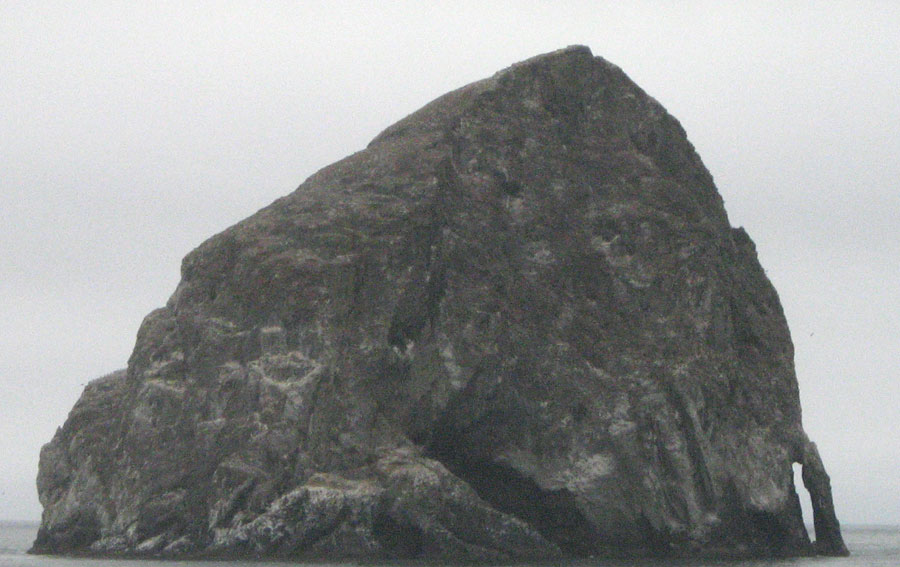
[{"x": 129, "y": 134}]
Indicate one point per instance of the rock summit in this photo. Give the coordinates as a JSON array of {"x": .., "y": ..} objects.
[{"x": 517, "y": 325}]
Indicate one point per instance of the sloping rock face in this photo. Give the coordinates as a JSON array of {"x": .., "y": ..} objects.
[{"x": 517, "y": 325}]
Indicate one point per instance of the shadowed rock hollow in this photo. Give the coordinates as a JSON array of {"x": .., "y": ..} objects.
[{"x": 517, "y": 325}]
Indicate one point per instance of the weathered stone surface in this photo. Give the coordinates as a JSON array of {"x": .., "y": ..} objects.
[{"x": 518, "y": 324}]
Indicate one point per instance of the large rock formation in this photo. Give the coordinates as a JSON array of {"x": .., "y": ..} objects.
[{"x": 517, "y": 325}]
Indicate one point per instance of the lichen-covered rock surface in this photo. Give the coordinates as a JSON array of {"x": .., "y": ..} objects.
[{"x": 517, "y": 325}]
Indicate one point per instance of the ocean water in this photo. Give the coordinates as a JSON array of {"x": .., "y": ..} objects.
[{"x": 870, "y": 546}]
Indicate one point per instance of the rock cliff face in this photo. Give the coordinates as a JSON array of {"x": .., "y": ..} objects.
[{"x": 517, "y": 325}]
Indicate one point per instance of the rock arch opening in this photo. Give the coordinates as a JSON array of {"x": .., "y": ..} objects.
[{"x": 805, "y": 501}]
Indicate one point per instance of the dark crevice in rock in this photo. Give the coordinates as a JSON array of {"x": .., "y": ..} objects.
[
  {"x": 744, "y": 333},
  {"x": 506, "y": 184},
  {"x": 693, "y": 437},
  {"x": 769, "y": 531},
  {"x": 398, "y": 538},
  {"x": 304, "y": 539},
  {"x": 222, "y": 516},
  {"x": 766, "y": 533},
  {"x": 418, "y": 305},
  {"x": 553, "y": 513}
]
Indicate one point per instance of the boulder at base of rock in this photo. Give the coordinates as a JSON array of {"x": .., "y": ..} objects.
[{"x": 517, "y": 325}]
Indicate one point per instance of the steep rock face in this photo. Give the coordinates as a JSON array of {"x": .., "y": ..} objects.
[{"x": 517, "y": 325}]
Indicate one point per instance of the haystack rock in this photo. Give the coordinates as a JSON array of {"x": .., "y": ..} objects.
[{"x": 517, "y": 325}]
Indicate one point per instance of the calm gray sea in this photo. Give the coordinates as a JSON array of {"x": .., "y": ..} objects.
[{"x": 870, "y": 546}]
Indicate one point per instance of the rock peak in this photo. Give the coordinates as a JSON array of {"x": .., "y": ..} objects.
[
  {"x": 562, "y": 56},
  {"x": 517, "y": 325}
]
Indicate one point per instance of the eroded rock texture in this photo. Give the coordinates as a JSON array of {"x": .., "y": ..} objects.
[{"x": 517, "y": 325}]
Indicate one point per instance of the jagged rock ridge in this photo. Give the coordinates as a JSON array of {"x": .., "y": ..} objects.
[{"x": 517, "y": 325}]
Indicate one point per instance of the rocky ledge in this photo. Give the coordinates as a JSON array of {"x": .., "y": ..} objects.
[{"x": 517, "y": 325}]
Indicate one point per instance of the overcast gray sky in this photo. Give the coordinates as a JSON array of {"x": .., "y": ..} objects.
[{"x": 130, "y": 133}]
